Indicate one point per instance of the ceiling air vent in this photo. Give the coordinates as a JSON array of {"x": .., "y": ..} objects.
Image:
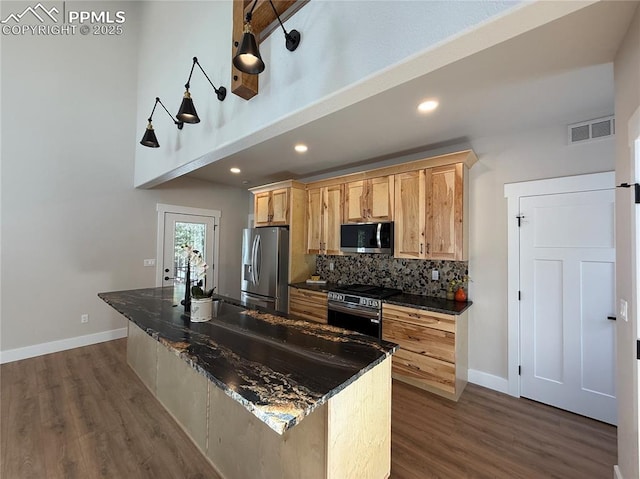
[{"x": 592, "y": 130}]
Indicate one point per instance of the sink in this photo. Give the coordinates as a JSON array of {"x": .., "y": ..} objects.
[{"x": 221, "y": 308}]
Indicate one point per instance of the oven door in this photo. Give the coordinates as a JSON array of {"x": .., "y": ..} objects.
[{"x": 355, "y": 318}]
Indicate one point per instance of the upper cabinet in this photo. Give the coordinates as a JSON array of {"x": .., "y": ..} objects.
[
  {"x": 445, "y": 225},
  {"x": 369, "y": 200},
  {"x": 271, "y": 208},
  {"x": 324, "y": 216},
  {"x": 411, "y": 211},
  {"x": 430, "y": 218},
  {"x": 284, "y": 204}
]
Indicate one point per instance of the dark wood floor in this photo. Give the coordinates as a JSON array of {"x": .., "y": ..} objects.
[{"x": 83, "y": 414}]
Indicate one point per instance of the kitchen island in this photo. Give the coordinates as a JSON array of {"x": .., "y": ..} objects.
[{"x": 262, "y": 395}]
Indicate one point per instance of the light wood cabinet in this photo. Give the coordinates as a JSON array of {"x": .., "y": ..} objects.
[
  {"x": 284, "y": 204},
  {"x": 410, "y": 215},
  {"x": 324, "y": 216},
  {"x": 271, "y": 208},
  {"x": 430, "y": 218},
  {"x": 433, "y": 348},
  {"x": 444, "y": 226},
  {"x": 369, "y": 200},
  {"x": 307, "y": 304}
]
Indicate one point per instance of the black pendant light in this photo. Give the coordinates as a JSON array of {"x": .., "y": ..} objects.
[
  {"x": 149, "y": 138},
  {"x": 247, "y": 58},
  {"x": 187, "y": 112}
]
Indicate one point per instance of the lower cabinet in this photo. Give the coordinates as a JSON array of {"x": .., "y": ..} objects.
[
  {"x": 433, "y": 348},
  {"x": 307, "y": 304}
]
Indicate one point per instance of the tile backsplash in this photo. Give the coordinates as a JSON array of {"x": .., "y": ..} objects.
[{"x": 410, "y": 275}]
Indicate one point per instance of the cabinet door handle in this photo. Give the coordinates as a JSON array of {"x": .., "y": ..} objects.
[
  {"x": 421, "y": 248},
  {"x": 612, "y": 318},
  {"x": 428, "y": 244}
]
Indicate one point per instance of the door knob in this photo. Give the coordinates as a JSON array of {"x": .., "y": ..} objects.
[
  {"x": 166, "y": 270},
  {"x": 166, "y": 278}
]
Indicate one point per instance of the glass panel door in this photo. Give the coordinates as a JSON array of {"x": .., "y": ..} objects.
[{"x": 195, "y": 231}]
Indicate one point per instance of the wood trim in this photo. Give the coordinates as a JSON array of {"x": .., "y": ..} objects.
[
  {"x": 467, "y": 157},
  {"x": 280, "y": 184}
]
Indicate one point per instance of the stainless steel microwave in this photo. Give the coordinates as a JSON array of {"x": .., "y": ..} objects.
[{"x": 367, "y": 238}]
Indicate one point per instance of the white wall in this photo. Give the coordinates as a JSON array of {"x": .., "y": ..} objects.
[
  {"x": 530, "y": 155},
  {"x": 627, "y": 84},
  {"x": 329, "y": 59},
  {"x": 72, "y": 223}
]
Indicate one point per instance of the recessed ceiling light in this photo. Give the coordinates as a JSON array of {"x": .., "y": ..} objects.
[
  {"x": 300, "y": 148},
  {"x": 234, "y": 170},
  {"x": 427, "y": 106}
]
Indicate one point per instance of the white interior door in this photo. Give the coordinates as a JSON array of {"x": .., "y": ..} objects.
[
  {"x": 194, "y": 230},
  {"x": 567, "y": 283}
]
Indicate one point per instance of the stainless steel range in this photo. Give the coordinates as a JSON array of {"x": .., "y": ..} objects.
[{"x": 358, "y": 307}]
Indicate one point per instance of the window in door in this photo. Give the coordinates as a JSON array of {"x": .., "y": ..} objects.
[{"x": 179, "y": 226}]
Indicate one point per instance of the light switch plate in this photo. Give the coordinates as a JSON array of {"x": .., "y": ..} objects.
[
  {"x": 623, "y": 310},
  {"x": 149, "y": 262},
  {"x": 435, "y": 275}
]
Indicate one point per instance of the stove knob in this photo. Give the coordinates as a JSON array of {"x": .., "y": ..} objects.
[{"x": 375, "y": 303}]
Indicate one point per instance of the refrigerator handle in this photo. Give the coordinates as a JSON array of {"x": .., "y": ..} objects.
[
  {"x": 254, "y": 248},
  {"x": 258, "y": 258}
]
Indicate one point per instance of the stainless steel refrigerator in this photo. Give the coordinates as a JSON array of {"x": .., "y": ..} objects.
[{"x": 265, "y": 267}]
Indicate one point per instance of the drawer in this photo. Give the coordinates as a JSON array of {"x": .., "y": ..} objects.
[
  {"x": 429, "y": 371},
  {"x": 419, "y": 317},
  {"x": 307, "y": 295},
  {"x": 309, "y": 305},
  {"x": 419, "y": 339}
]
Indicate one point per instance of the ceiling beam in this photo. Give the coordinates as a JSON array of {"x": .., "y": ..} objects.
[{"x": 263, "y": 23}]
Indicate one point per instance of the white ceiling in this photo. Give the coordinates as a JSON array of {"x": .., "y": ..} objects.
[{"x": 559, "y": 73}]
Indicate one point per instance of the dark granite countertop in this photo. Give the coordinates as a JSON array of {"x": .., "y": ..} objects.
[
  {"x": 428, "y": 303},
  {"x": 279, "y": 369}
]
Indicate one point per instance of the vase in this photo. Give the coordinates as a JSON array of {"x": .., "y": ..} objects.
[
  {"x": 460, "y": 295},
  {"x": 450, "y": 295},
  {"x": 201, "y": 309}
]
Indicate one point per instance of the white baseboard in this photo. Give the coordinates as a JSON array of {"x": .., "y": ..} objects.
[
  {"x": 616, "y": 473},
  {"x": 17, "y": 354},
  {"x": 488, "y": 381}
]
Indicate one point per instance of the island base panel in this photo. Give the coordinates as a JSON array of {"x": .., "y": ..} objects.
[
  {"x": 142, "y": 356},
  {"x": 184, "y": 393},
  {"x": 359, "y": 427},
  {"x": 242, "y": 446}
]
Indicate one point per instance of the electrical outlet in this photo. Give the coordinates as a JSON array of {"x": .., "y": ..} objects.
[
  {"x": 149, "y": 262},
  {"x": 435, "y": 275},
  {"x": 84, "y": 318},
  {"x": 331, "y": 266}
]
